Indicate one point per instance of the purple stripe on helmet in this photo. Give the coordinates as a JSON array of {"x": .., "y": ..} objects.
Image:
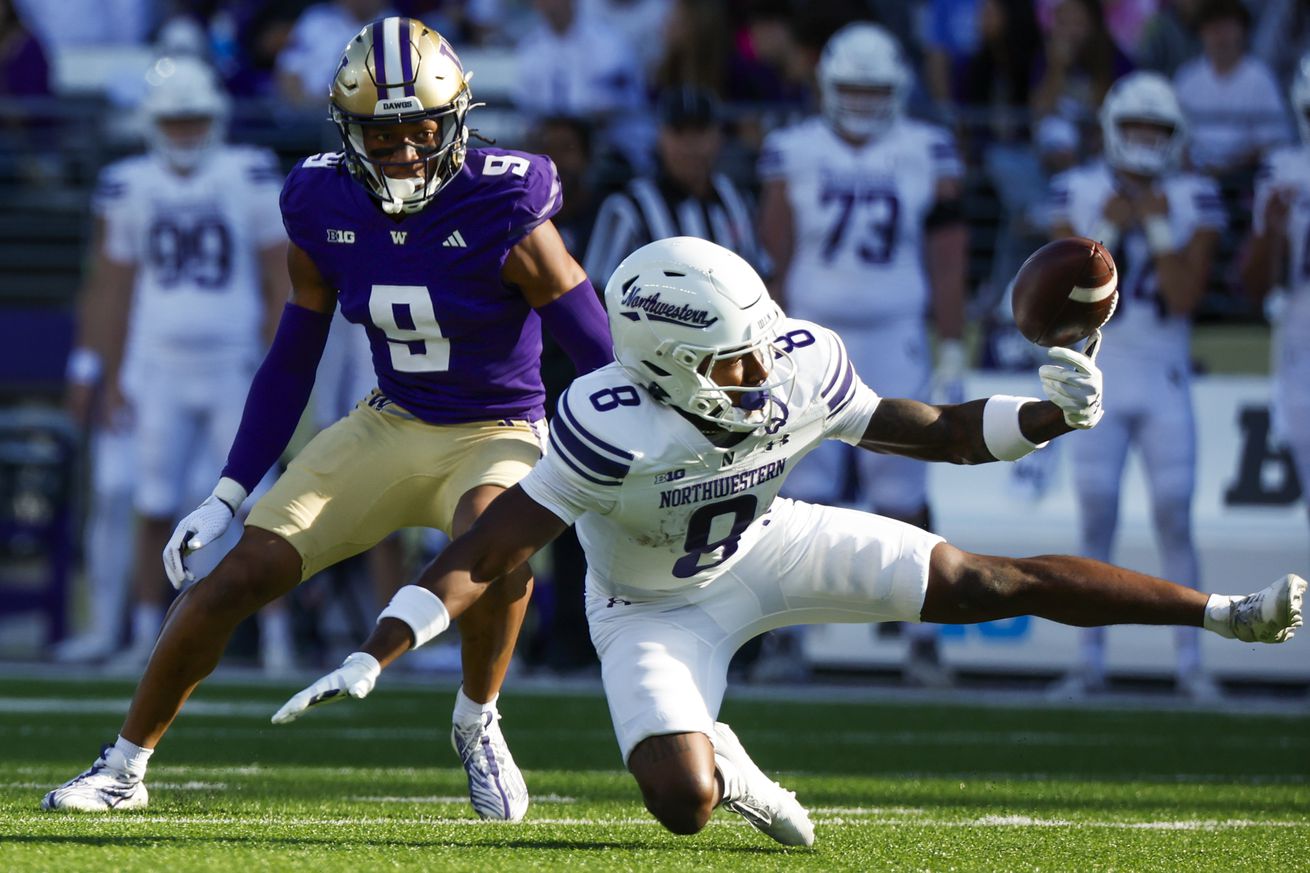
[
  {"x": 406, "y": 58},
  {"x": 379, "y": 60},
  {"x": 450, "y": 53}
]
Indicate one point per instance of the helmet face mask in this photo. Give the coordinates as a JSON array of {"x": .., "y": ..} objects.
[
  {"x": 1143, "y": 125},
  {"x": 680, "y": 306},
  {"x": 398, "y": 72},
  {"x": 863, "y": 83}
]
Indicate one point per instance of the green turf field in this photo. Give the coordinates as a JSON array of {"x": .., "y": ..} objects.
[{"x": 373, "y": 785}]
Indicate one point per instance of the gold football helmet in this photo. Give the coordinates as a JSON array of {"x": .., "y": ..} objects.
[{"x": 398, "y": 70}]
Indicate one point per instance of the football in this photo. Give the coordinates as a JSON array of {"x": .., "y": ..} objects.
[{"x": 1065, "y": 291}]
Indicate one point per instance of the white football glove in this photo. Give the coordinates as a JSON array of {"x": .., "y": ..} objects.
[
  {"x": 355, "y": 677},
  {"x": 206, "y": 523},
  {"x": 1073, "y": 383}
]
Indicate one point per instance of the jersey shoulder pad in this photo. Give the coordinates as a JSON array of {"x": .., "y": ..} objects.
[
  {"x": 257, "y": 164},
  {"x": 596, "y": 417},
  {"x": 303, "y": 194},
  {"x": 118, "y": 180},
  {"x": 821, "y": 360},
  {"x": 528, "y": 181},
  {"x": 778, "y": 153}
]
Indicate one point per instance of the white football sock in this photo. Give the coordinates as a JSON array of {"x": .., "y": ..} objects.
[
  {"x": 468, "y": 710},
  {"x": 132, "y": 759},
  {"x": 734, "y": 785}
]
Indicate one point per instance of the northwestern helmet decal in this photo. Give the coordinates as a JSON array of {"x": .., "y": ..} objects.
[{"x": 671, "y": 313}]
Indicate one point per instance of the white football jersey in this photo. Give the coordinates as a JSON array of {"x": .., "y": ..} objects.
[
  {"x": 194, "y": 241},
  {"x": 1288, "y": 169},
  {"x": 1140, "y": 329},
  {"x": 658, "y": 507},
  {"x": 858, "y": 216}
]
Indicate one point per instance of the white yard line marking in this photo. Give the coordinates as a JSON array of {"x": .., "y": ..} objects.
[
  {"x": 991, "y": 821},
  {"x": 117, "y": 706},
  {"x": 152, "y": 785},
  {"x": 459, "y": 800}
]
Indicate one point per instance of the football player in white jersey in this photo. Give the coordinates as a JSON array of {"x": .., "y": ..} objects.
[
  {"x": 1162, "y": 225},
  {"x": 1279, "y": 256},
  {"x": 670, "y": 462},
  {"x": 860, "y": 212},
  {"x": 188, "y": 272}
]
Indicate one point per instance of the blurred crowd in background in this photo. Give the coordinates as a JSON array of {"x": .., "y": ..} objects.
[{"x": 638, "y": 102}]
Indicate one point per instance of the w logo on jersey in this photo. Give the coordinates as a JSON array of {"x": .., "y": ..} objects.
[{"x": 398, "y": 236}]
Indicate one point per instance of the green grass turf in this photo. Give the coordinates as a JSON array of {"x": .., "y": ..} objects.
[{"x": 372, "y": 785}]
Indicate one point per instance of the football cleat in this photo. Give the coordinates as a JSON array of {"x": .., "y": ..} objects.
[
  {"x": 496, "y": 787},
  {"x": 103, "y": 788},
  {"x": 1268, "y": 616},
  {"x": 768, "y": 806}
]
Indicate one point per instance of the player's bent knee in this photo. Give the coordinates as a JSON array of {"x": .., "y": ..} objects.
[
  {"x": 681, "y": 800},
  {"x": 678, "y": 780},
  {"x": 260, "y": 568}
]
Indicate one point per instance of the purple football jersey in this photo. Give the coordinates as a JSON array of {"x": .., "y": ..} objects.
[{"x": 451, "y": 341}]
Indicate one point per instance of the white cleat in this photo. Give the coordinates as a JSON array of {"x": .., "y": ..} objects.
[
  {"x": 1268, "y": 616},
  {"x": 103, "y": 788},
  {"x": 496, "y": 787},
  {"x": 768, "y": 806}
]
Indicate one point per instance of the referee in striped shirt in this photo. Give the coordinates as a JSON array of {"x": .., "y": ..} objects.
[{"x": 686, "y": 197}]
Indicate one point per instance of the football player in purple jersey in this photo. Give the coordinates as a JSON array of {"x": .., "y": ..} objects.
[{"x": 447, "y": 257}]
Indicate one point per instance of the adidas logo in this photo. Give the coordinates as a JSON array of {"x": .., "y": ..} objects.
[{"x": 456, "y": 241}]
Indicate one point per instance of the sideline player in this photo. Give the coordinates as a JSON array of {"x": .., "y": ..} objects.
[
  {"x": 1162, "y": 226},
  {"x": 447, "y": 257},
  {"x": 188, "y": 273},
  {"x": 1280, "y": 236},
  {"x": 861, "y": 216},
  {"x": 670, "y": 462}
]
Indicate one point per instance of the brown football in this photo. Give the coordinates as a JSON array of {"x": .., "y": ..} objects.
[{"x": 1065, "y": 291}]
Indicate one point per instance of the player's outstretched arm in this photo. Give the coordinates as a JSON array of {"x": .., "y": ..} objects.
[
  {"x": 958, "y": 434},
  {"x": 555, "y": 285},
  {"x": 511, "y": 530},
  {"x": 999, "y": 428}
]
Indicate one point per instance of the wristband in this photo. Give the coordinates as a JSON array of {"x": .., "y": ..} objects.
[
  {"x": 1107, "y": 235},
  {"x": 1159, "y": 236},
  {"x": 419, "y": 608},
  {"x": 231, "y": 493},
  {"x": 84, "y": 366},
  {"x": 1001, "y": 431}
]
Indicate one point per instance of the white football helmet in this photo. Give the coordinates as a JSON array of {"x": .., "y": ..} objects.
[
  {"x": 398, "y": 70},
  {"x": 1301, "y": 99},
  {"x": 183, "y": 87},
  {"x": 1145, "y": 97},
  {"x": 862, "y": 56},
  {"x": 678, "y": 305}
]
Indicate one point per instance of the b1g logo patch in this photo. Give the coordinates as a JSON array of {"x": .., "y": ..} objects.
[{"x": 340, "y": 236}]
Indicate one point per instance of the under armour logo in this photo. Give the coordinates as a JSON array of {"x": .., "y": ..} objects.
[
  {"x": 614, "y": 601},
  {"x": 455, "y": 240}
]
